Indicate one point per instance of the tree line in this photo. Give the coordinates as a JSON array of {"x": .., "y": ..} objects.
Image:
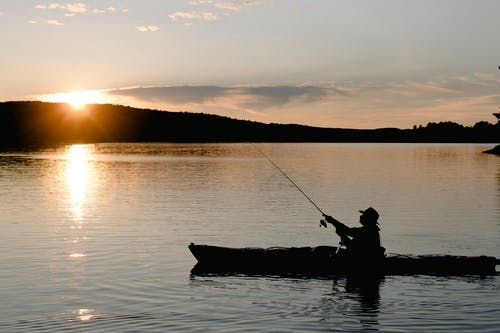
[{"x": 42, "y": 123}]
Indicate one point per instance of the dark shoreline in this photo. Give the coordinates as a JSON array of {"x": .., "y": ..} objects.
[{"x": 40, "y": 124}]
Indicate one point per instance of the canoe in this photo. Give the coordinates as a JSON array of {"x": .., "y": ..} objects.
[{"x": 328, "y": 260}]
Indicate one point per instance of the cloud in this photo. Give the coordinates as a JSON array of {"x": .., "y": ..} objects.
[
  {"x": 237, "y": 6},
  {"x": 419, "y": 89},
  {"x": 77, "y": 7},
  {"x": 54, "y": 22},
  {"x": 206, "y": 16},
  {"x": 147, "y": 28},
  {"x": 172, "y": 94},
  {"x": 108, "y": 10},
  {"x": 269, "y": 96},
  {"x": 212, "y": 16},
  {"x": 449, "y": 88},
  {"x": 249, "y": 98},
  {"x": 200, "y": 2}
]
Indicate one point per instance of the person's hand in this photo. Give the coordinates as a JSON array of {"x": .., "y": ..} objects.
[{"x": 330, "y": 219}]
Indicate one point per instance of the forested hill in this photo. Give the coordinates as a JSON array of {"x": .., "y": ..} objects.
[{"x": 40, "y": 123}]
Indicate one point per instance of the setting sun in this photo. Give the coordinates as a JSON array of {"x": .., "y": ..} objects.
[{"x": 77, "y": 99}]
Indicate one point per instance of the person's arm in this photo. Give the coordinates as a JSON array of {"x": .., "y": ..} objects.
[
  {"x": 353, "y": 232},
  {"x": 340, "y": 228}
]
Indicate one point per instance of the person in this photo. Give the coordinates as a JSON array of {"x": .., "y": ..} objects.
[{"x": 360, "y": 242}]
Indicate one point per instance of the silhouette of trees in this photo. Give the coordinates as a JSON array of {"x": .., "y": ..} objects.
[
  {"x": 482, "y": 131},
  {"x": 40, "y": 123},
  {"x": 498, "y": 116}
]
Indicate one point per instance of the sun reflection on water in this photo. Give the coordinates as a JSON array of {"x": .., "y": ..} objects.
[
  {"x": 77, "y": 176},
  {"x": 84, "y": 314},
  {"x": 77, "y": 255}
]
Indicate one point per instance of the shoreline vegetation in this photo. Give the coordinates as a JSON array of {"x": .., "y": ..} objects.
[{"x": 34, "y": 123}]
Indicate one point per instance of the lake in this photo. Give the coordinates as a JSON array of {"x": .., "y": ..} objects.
[{"x": 94, "y": 237}]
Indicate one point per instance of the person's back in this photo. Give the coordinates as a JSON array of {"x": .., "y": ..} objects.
[
  {"x": 365, "y": 242},
  {"x": 362, "y": 243}
]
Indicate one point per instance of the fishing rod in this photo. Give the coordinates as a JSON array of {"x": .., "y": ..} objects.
[{"x": 291, "y": 181}]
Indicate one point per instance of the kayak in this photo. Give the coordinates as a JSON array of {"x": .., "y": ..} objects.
[{"x": 327, "y": 260}]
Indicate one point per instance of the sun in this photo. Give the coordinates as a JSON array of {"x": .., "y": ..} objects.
[{"x": 77, "y": 99}]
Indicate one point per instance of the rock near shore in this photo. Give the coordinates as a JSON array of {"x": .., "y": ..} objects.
[{"x": 494, "y": 151}]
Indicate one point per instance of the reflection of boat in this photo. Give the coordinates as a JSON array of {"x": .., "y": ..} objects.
[{"x": 324, "y": 260}]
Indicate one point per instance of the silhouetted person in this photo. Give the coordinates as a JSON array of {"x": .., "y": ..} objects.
[{"x": 362, "y": 243}]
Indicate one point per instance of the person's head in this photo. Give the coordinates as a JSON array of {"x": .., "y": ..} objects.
[{"x": 369, "y": 216}]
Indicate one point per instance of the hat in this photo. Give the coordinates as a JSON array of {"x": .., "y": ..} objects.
[{"x": 370, "y": 213}]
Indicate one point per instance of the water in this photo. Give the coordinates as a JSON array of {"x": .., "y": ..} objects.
[{"x": 94, "y": 237}]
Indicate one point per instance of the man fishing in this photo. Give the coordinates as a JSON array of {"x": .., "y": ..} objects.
[{"x": 360, "y": 242}]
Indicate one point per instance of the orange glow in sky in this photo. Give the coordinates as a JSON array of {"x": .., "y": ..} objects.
[{"x": 77, "y": 99}]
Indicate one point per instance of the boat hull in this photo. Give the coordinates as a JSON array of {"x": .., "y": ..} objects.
[{"x": 327, "y": 260}]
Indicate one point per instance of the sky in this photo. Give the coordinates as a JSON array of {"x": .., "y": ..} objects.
[{"x": 328, "y": 63}]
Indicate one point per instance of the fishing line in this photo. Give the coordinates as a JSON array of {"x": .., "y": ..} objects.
[{"x": 291, "y": 181}]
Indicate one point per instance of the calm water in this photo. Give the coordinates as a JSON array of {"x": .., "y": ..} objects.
[{"x": 94, "y": 237}]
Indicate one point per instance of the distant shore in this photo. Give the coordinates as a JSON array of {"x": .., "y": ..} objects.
[{"x": 41, "y": 123}]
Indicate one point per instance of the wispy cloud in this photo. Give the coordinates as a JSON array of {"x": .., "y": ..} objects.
[
  {"x": 72, "y": 9},
  {"x": 77, "y": 7},
  {"x": 200, "y": 2},
  {"x": 49, "y": 22},
  {"x": 416, "y": 89},
  {"x": 147, "y": 28},
  {"x": 106, "y": 10},
  {"x": 54, "y": 22},
  {"x": 216, "y": 6},
  {"x": 191, "y": 15},
  {"x": 45, "y": 21},
  {"x": 237, "y": 6},
  {"x": 248, "y": 98}
]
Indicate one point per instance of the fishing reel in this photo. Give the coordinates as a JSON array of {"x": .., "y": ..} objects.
[{"x": 322, "y": 223}]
